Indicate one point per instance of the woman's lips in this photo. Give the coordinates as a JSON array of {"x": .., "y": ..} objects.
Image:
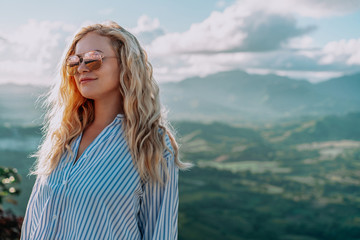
[{"x": 86, "y": 80}]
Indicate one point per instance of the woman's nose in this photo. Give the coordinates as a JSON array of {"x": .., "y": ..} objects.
[{"x": 82, "y": 67}]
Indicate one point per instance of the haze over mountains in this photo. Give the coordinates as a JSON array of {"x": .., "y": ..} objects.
[
  {"x": 18, "y": 104},
  {"x": 236, "y": 95},
  {"x": 233, "y": 96}
]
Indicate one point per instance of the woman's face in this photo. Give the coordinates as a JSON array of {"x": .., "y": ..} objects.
[{"x": 103, "y": 83}]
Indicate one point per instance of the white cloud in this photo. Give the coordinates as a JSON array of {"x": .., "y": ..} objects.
[
  {"x": 147, "y": 29},
  {"x": 307, "y": 8},
  {"x": 343, "y": 51},
  {"x": 312, "y": 76},
  {"x": 302, "y": 42},
  {"x": 248, "y": 25},
  {"x": 251, "y": 34},
  {"x": 35, "y": 67},
  {"x": 221, "y": 4},
  {"x": 146, "y": 24},
  {"x": 178, "y": 67},
  {"x": 33, "y": 51},
  {"x": 211, "y": 35},
  {"x": 244, "y": 26}
]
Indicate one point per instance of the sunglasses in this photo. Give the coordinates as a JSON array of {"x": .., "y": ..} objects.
[{"x": 92, "y": 60}]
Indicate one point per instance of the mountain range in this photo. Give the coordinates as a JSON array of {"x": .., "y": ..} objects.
[
  {"x": 232, "y": 96},
  {"x": 238, "y": 96}
]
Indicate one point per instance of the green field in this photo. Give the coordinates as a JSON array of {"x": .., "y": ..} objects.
[{"x": 291, "y": 181}]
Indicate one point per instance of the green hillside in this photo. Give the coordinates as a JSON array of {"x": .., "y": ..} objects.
[
  {"x": 296, "y": 189},
  {"x": 249, "y": 183},
  {"x": 333, "y": 127}
]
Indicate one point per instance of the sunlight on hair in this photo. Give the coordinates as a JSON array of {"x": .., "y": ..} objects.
[{"x": 69, "y": 113}]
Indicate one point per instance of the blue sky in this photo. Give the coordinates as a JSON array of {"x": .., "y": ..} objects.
[
  {"x": 174, "y": 15},
  {"x": 304, "y": 39}
]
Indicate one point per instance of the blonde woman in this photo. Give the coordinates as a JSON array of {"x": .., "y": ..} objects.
[{"x": 108, "y": 165}]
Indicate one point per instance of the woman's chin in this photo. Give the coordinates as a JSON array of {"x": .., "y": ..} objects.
[{"x": 87, "y": 93}]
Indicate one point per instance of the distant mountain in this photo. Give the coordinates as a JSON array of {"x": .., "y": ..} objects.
[
  {"x": 236, "y": 95},
  {"x": 233, "y": 96},
  {"x": 345, "y": 88}
]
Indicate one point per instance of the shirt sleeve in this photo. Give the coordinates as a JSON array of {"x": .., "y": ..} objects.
[{"x": 158, "y": 216}]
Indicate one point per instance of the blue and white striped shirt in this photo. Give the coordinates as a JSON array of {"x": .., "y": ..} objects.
[{"x": 102, "y": 196}]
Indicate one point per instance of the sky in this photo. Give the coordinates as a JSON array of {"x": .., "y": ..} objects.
[{"x": 312, "y": 40}]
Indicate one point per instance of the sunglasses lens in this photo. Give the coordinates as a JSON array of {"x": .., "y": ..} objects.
[
  {"x": 92, "y": 60},
  {"x": 93, "y": 64},
  {"x": 72, "y": 65}
]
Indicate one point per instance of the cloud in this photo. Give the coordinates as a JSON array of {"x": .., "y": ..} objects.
[
  {"x": 233, "y": 30},
  {"x": 178, "y": 67},
  {"x": 147, "y": 29},
  {"x": 3, "y": 43},
  {"x": 343, "y": 51},
  {"x": 284, "y": 63},
  {"x": 247, "y": 25},
  {"x": 32, "y": 51},
  {"x": 3, "y": 40},
  {"x": 252, "y": 35},
  {"x": 313, "y": 76},
  {"x": 306, "y": 8},
  {"x": 269, "y": 32},
  {"x": 220, "y": 4},
  {"x": 146, "y": 24},
  {"x": 249, "y": 34},
  {"x": 300, "y": 43}
]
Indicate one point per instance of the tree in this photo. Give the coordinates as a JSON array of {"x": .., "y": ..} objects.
[{"x": 10, "y": 225}]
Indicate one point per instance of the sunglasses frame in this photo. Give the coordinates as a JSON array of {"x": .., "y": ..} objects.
[{"x": 72, "y": 69}]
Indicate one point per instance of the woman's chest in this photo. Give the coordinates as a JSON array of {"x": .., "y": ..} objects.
[{"x": 102, "y": 178}]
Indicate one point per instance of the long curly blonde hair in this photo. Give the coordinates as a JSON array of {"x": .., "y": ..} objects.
[{"x": 69, "y": 113}]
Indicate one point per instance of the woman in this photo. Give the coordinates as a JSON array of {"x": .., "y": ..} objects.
[{"x": 108, "y": 166}]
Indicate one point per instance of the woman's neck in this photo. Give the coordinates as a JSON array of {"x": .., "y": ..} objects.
[{"x": 106, "y": 111}]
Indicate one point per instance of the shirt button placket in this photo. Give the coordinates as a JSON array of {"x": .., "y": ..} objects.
[{"x": 60, "y": 208}]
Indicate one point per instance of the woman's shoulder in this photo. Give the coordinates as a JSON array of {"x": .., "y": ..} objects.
[{"x": 169, "y": 150}]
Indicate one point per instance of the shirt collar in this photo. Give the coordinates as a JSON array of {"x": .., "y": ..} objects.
[{"x": 119, "y": 117}]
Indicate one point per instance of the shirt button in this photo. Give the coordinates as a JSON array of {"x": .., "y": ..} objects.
[
  {"x": 54, "y": 217},
  {"x": 65, "y": 183}
]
